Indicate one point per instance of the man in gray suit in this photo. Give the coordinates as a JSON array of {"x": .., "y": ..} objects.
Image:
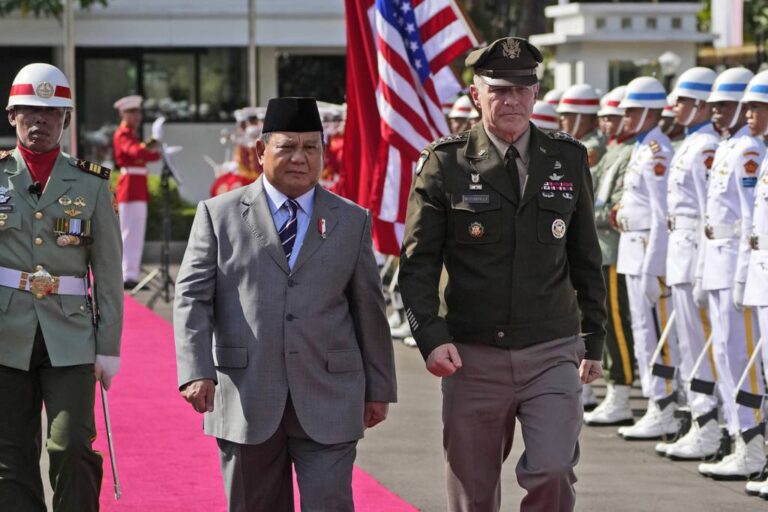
[{"x": 281, "y": 334}]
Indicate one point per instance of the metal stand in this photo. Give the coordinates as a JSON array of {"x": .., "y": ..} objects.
[{"x": 162, "y": 275}]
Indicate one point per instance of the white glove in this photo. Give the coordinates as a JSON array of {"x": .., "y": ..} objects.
[
  {"x": 171, "y": 150},
  {"x": 105, "y": 368},
  {"x": 652, "y": 288},
  {"x": 738, "y": 296},
  {"x": 157, "y": 128},
  {"x": 700, "y": 295}
]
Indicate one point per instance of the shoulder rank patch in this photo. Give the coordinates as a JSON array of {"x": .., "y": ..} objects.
[
  {"x": 564, "y": 136},
  {"x": 5, "y": 154},
  {"x": 92, "y": 168},
  {"x": 655, "y": 146},
  {"x": 423, "y": 157},
  {"x": 459, "y": 137}
]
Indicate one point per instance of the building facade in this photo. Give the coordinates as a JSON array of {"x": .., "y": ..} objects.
[
  {"x": 607, "y": 44},
  {"x": 189, "y": 59}
]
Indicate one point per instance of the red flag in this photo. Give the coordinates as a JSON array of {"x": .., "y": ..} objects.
[{"x": 398, "y": 52}]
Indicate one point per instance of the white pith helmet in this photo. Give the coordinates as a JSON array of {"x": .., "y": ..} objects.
[
  {"x": 579, "y": 99},
  {"x": 644, "y": 92},
  {"x": 40, "y": 85},
  {"x": 553, "y": 97},
  {"x": 757, "y": 89},
  {"x": 695, "y": 83},
  {"x": 730, "y": 85},
  {"x": 544, "y": 116},
  {"x": 462, "y": 108},
  {"x": 611, "y": 101}
]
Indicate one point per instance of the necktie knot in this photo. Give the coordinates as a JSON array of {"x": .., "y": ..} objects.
[
  {"x": 292, "y": 206},
  {"x": 512, "y": 153}
]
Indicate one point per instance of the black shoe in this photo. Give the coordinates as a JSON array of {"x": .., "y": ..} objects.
[{"x": 129, "y": 285}]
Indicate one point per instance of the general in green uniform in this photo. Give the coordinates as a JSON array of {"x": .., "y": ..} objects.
[
  {"x": 508, "y": 210},
  {"x": 57, "y": 224}
]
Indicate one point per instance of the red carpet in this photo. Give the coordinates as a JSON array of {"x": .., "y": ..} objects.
[{"x": 165, "y": 462}]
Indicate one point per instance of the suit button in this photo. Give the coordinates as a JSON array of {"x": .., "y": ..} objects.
[
  {"x": 82, "y": 308},
  {"x": 38, "y": 215},
  {"x": 39, "y": 295},
  {"x": 38, "y": 241},
  {"x": 291, "y": 283},
  {"x": 289, "y": 317}
]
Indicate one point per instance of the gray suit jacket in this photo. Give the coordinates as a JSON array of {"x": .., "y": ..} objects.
[{"x": 261, "y": 331}]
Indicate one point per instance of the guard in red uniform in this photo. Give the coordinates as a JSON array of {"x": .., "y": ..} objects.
[{"x": 131, "y": 156}]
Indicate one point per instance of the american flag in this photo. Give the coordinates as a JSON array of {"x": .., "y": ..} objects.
[{"x": 398, "y": 79}]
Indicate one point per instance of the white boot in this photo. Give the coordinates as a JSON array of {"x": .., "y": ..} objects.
[
  {"x": 409, "y": 341},
  {"x": 754, "y": 487},
  {"x": 614, "y": 410},
  {"x": 401, "y": 331},
  {"x": 764, "y": 490},
  {"x": 655, "y": 424},
  {"x": 701, "y": 442},
  {"x": 588, "y": 397},
  {"x": 746, "y": 461}
]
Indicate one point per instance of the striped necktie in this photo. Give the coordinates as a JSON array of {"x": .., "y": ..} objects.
[{"x": 287, "y": 232}]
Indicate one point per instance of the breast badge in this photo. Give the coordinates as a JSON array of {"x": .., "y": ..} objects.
[
  {"x": 558, "y": 228},
  {"x": 65, "y": 200},
  {"x": 4, "y": 197},
  {"x": 659, "y": 169},
  {"x": 750, "y": 167},
  {"x": 476, "y": 230}
]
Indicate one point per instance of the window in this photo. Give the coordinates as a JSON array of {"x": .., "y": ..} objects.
[
  {"x": 321, "y": 76},
  {"x": 677, "y": 23},
  {"x": 650, "y": 23},
  {"x": 626, "y": 22},
  {"x": 600, "y": 23},
  {"x": 170, "y": 86}
]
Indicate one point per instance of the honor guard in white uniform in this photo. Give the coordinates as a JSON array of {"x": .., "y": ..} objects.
[
  {"x": 642, "y": 218},
  {"x": 756, "y": 289},
  {"x": 686, "y": 199},
  {"x": 724, "y": 269}
]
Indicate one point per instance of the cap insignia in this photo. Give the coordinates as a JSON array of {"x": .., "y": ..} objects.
[
  {"x": 44, "y": 90},
  {"x": 511, "y": 48}
]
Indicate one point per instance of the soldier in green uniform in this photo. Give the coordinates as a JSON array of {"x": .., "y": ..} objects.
[
  {"x": 57, "y": 225},
  {"x": 608, "y": 177},
  {"x": 578, "y": 118},
  {"x": 509, "y": 211}
]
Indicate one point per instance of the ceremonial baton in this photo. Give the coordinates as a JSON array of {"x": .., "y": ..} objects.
[
  {"x": 110, "y": 444},
  {"x": 660, "y": 370},
  {"x": 745, "y": 398},
  {"x": 698, "y": 385}
]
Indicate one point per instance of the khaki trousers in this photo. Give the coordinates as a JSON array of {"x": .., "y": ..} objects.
[{"x": 540, "y": 387}]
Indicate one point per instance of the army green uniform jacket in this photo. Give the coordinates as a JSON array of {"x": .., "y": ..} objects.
[
  {"x": 28, "y": 243},
  {"x": 514, "y": 265},
  {"x": 608, "y": 178},
  {"x": 595, "y": 144}
]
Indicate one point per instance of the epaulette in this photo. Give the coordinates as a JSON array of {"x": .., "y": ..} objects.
[
  {"x": 655, "y": 146},
  {"x": 566, "y": 137},
  {"x": 458, "y": 137},
  {"x": 5, "y": 154},
  {"x": 92, "y": 168}
]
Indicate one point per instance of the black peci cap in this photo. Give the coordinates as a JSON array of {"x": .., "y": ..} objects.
[
  {"x": 506, "y": 61},
  {"x": 292, "y": 115}
]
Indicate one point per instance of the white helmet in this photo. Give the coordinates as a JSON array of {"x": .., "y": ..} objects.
[
  {"x": 579, "y": 99},
  {"x": 669, "y": 108},
  {"x": 553, "y": 97},
  {"x": 644, "y": 92},
  {"x": 40, "y": 85},
  {"x": 730, "y": 85},
  {"x": 544, "y": 116},
  {"x": 609, "y": 106},
  {"x": 695, "y": 83},
  {"x": 462, "y": 108},
  {"x": 757, "y": 90}
]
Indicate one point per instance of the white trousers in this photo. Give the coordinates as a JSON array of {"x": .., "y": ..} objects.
[
  {"x": 761, "y": 312},
  {"x": 734, "y": 335},
  {"x": 646, "y": 332},
  {"x": 692, "y": 327},
  {"x": 133, "y": 225}
]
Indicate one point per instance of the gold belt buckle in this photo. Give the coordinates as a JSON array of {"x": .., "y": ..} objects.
[{"x": 41, "y": 283}]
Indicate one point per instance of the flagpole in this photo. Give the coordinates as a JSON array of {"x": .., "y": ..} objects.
[
  {"x": 69, "y": 68},
  {"x": 252, "y": 53}
]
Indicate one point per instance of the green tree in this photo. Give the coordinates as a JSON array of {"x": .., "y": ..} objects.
[
  {"x": 502, "y": 18},
  {"x": 46, "y": 8}
]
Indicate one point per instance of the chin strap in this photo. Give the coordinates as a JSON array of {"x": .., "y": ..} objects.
[
  {"x": 692, "y": 114},
  {"x": 736, "y": 116}
]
